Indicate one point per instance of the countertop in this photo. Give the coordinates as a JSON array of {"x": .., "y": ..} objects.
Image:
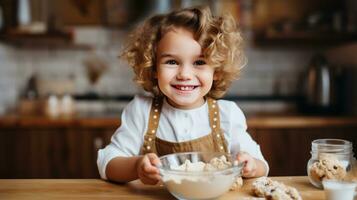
[
  {"x": 98, "y": 189},
  {"x": 108, "y": 121}
]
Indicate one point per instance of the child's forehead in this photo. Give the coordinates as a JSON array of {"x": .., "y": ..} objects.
[
  {"x": 175, "y": 34},
  {"x": 179, "y": 39}
]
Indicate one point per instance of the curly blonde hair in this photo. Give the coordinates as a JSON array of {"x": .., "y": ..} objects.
[{"x": 219, "y": 38}]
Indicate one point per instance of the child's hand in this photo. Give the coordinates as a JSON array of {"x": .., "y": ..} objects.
[
  {"x": 250, "y": 168},
  {"x": 146, "y": 168}
]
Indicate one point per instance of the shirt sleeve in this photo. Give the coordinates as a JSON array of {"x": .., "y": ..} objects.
[
  {"x": 240, "y": 139},
  {"x": 128, "y": 138}
]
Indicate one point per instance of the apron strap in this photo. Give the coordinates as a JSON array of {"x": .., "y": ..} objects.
[
  {"x": 215, "y": 124},
  {"x": 154, "y": 117}
]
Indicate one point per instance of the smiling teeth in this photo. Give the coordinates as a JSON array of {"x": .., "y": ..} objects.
[{"x": 186, "y": 88}]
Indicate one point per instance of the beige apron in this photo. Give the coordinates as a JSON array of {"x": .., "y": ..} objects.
[{"x": 213, "y": 142}]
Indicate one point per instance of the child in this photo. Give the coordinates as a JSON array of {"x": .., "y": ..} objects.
[{"x": 186, "y": 59}]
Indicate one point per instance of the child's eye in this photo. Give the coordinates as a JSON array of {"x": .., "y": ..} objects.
[
  {"x": 171, "y": 62},
  {"x": 199, "y": 62}
]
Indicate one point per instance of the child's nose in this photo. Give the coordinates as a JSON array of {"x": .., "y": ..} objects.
[{"x": 185, "y": 72}]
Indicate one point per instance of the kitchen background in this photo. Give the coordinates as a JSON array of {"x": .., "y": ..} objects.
[
  {"x": 272, "y": 71},
  {"x": 59, "y": 65}
]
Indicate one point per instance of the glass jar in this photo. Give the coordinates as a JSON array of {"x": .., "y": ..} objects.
[{"x": 330, "y": 159}]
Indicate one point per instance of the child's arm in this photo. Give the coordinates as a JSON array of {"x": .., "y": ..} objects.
[
  {"x": 253, "y": 167},
  {"x": 125, "y": 169}
]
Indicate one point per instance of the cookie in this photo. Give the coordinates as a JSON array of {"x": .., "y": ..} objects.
[
  {"x": 328, "y": 167},
  {"x": 269, "y": 189}
]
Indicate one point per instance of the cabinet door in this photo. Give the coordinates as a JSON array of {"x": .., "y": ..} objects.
[
  {"x": 276, "y": 147},
  {"x": 83, "y": 145},
  {"x": 31, "y": 153},
  {"x": 51, "y": 152}
]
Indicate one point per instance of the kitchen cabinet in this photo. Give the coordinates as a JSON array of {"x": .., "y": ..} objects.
[
  {"x": 287, "y": 150},
  {"x": 40, "y": 147},
  {"x": 51, "y": 152}
]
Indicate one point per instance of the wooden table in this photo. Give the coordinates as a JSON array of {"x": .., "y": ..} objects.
[{"x": 98, "y": 189}]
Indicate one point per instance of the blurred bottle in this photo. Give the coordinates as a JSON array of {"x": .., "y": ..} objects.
[
  {"x": 67, "y": 106},
  {"x": 31, "y": 89},
  {"x": 29, "y": 104},
  {"x": 24, "y": 13},
  {"x": 52, "y": 106}
]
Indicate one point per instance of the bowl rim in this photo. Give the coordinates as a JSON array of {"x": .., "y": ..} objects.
[{"x": 235, "y": 168}]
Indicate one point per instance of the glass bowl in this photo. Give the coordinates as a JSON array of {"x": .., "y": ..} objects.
[{"x": 197, "y": 184}]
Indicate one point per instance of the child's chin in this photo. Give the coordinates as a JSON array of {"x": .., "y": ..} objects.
[{"x": 186, "y": 102}]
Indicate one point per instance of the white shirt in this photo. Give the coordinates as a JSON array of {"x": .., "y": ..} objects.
[{"x": 176, "y": 125}]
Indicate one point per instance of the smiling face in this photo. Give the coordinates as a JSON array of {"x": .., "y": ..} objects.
[{"x": 183, "y": 74}]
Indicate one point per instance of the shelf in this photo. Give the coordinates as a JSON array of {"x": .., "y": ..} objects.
[
  {"x": 304, "y": 38},
  {"x": 61, "y": 40}
]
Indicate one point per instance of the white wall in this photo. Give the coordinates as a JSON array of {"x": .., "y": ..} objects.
[{"x": 270, "y": 71}]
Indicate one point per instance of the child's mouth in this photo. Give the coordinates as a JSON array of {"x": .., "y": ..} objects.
[{"x": 185, "y": 87}]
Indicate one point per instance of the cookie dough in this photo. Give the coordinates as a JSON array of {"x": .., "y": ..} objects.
[
  {"x": 274, "y": 190},
  {"x": 328, "y": 167},
  {"x": 238, "y": 183},
  {"x": 214, "y": 164},
  {"x": 217, "y": 163}
]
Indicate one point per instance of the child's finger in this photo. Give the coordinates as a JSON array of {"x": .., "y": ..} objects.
[
  {"x": 248, "y": 167},
  {"x": 156, "y": 177},
  {"x": 149, "y": 168},
  {"x": 149, "y": 181},
  {"x": 242, "y": 157},
  {"x": 154, "y": 159},
  {"x": 150, "y": 178}
]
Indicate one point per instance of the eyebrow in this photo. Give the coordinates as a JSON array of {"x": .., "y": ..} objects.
[
  {"x": 172, "y": 55},
  {"x": 166, "y": 55}
]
